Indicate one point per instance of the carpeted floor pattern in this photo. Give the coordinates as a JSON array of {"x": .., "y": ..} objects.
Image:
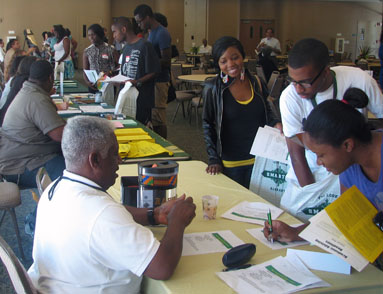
[{"x": 187, "y": 136}]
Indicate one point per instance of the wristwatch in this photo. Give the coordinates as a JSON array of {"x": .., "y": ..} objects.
[
  {"x": 138, "y": 84},
  {"x": 150, "y": 215}
]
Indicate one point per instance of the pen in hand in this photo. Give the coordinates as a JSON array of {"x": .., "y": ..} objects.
[{"x": 270, "y": 227}]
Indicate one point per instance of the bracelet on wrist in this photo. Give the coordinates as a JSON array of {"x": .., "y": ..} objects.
[{"x": 150, "y": 215}]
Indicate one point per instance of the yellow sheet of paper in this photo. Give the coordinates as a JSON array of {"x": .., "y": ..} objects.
[
  {"x": 353, "y": 213},
  {"x": 130, "y": 131},
  {"x": 132, "y": 138},
  {"x": 142, "y": 149}
]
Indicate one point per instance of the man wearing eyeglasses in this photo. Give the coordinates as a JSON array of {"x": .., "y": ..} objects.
[{"x": 312, "y": 81}]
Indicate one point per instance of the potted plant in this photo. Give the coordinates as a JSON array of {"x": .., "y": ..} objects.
[{"x": 364, "y": 52}]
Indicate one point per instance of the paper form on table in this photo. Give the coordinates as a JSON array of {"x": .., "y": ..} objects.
[
  {"x": 321, "y": 261},
  {"x": 209, "y": 242},
  {"x": 279, "y": 275},
  {"x": 252, "y": 212}
]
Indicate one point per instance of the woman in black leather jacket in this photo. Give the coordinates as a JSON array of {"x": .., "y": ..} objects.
[{"x": 235, "y": 106}]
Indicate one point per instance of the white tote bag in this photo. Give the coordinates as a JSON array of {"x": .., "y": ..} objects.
[{"x": 304, "y": 202}]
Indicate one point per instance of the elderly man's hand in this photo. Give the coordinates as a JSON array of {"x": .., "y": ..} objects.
[
  {"x": 283, "y": 232},
  {"x": 161, "y": 212},
  {"x": 182, "y": 212}
]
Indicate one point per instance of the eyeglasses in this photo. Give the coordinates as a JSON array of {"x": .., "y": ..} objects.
[{"x": 305, "y": 85}]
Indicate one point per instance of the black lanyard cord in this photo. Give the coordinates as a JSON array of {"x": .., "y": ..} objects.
[
  {"x": 334, "y": 90},
  {"x": 52, "y": 189}
]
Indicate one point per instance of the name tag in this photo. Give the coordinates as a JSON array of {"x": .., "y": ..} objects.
[
  {"x": 127, "y": 58},
  {"x": 105, "y": 56}
]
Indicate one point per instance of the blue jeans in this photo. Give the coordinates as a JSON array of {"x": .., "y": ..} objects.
[
  {"x": 54, "y": 168},
  {"x": 240, "y": 174}
]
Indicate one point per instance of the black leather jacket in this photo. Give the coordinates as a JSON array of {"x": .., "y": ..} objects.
[{"x": 213, "y": 110}]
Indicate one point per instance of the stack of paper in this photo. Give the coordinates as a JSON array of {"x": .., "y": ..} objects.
[
  {"x": 270, "y": 143},
  {"x": 345, "y": 229},
  {"x": 95, "y": 109},
  {"x": 252, "y": 212},
  {"x": 132, "y": 134},
  {"x": 280, "y": 275}
]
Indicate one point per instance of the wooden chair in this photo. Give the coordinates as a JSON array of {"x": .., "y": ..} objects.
[
  {"x": 16, "y": 271},
  {"x": 9, "y": 199}
]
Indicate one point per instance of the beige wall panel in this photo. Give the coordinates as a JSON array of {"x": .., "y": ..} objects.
[
  {"x": 324, "y": 20},
  {"x": 18, "y": 15},
  {"x": 223, "y": 19},
  {"x": 296, "y": 19},
  {"x": 126, "y": 7},
  {"x": 174, "y": 11}
]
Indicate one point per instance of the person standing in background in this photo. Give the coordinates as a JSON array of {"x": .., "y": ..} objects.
[
  {"x": 161, "y": 41},
  {"x": 139, "y": 62},
  {"x": 2, "y": 51},
  {"x": 99, "y": 56},
  {"x": 381, "y": 60},
  {"x": 62, "y": 52}
]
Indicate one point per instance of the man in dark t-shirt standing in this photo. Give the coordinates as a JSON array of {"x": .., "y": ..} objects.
[
  {"x": 139, "y": 62},
  {"x": 161, "y": 40}
]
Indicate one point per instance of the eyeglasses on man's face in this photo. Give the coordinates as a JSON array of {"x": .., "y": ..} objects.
[{"x": 305, "y": 84}]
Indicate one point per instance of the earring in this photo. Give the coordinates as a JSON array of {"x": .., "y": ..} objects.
[
  {"x": 242, "y": 74},
  {"x": 225, "y": 78}
]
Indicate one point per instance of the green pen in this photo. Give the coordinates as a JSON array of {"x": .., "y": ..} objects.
[{"x": 271, "y": 226}]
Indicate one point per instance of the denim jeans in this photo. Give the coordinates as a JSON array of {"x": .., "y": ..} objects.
[
  {"x": 54, "y": 168},
  {"x": 240, "y": 174}
]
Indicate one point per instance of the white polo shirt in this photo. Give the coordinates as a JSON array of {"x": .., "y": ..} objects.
[
  {"x": 273, "y": 43},
  {"x": 85, "y": 242}
]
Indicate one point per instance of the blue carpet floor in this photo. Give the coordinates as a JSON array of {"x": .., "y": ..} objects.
[{"x": 8, "y": 233}]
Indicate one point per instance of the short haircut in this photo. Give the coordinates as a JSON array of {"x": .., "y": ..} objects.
[
  {"x": 14, "y": 65},
  {"x": 123, "y": 21},
  {"x": 40, "y": 70},
  {"x": 162, "y": 19},
  {"x": 98, "y": 30},
  {"x": 309, "y": 52},
  {"x": 143, "y": 11},
  {"x": 83, "y": 135},
  {"x": 10, "y": 44},
  {"x": 221, "y": 45},
  {"x": 25, "y": 66},
  {"x": 334, "y": 121},
  {"x": 61, "y": 32},
  {"x": 272, "y": 30}
]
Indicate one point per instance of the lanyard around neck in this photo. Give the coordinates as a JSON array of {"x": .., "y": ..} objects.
[
  {"x": 334, "y": 90},
  {"x": 52, "y": 189}
]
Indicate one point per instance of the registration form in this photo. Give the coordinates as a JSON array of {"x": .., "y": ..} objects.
[
  {"x": 252, "y": 212},
  {"x": 209, "y": 242}
]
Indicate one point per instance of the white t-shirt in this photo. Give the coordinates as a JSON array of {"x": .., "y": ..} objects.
[
  {"x": 204, "y": 50},
  {"x": 294, "y": 108},
  {"x": 273, "y": 43},
  {"x": 85, "y": 242},
  {"x": 60, "y": 51}
]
